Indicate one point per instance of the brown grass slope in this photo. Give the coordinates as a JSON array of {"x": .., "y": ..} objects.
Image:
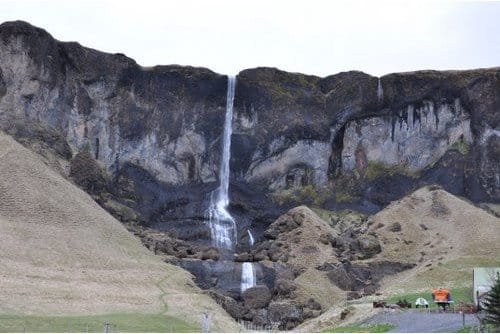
[
  {"x": 307, "y": 248},
  {"x": 60, "y": 253},
  {"x": 444, "y": 235}
]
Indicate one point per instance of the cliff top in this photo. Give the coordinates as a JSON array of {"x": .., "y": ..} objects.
[{"x": 22, "y": 28}]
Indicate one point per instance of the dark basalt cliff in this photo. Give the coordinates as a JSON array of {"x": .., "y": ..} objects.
[{"x": 359, "y": 141}]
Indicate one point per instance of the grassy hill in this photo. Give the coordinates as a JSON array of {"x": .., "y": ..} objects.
[
  {"x": 444, "y": 235},
  {"x": 61, "y": 254}
]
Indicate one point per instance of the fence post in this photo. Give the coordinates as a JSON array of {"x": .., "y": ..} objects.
[
  {"x": 205, "y": 323},
  {"x": 106, "y": 327}
]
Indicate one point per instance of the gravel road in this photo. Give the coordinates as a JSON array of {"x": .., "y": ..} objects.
[{"x": 413, "y": 321}]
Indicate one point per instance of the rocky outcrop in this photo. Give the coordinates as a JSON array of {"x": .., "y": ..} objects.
[
  {"x": 257, "y": 297},
  {"x": 418, "y": 138}
]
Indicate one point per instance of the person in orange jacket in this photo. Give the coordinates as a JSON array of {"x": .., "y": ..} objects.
[{"x": 441, "y": 297}]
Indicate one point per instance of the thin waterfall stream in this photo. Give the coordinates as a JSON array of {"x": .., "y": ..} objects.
[
  {"x": 222, "y": 225},
  {"x": 380, "y": 91},
  {"x": 251, "y": 240}
]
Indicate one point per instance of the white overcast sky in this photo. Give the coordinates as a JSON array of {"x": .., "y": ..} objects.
[{"x": 313, "y": 37}]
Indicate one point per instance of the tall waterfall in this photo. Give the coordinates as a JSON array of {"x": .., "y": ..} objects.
[{"x": 222, "y": 225}]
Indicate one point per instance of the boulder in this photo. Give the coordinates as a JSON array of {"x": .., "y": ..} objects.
[
  {"x": 284, "y": 287},
  {"x": 395, "y": 227},
  {"x": 287, "y": 314},
  {"x": 349, "y": 277},
  {"x": 345, "y": 312},
  {"x": 298, "y": 217},
  {"x": 122, "y": 212},
  {"x": 286, "y": 274},
  {"x": 234, "y": 308},
  {"x": 256, "y": 297},
  {"x": 271, "y": 234},
  {"x": 313, "y": 305},
  {"x": 369, "y": 245},
  {"x": 210, "y": 253},
  {"x": 259, "y": 317},
  {"x": 86, "y": 172},
  {"x": 370, "y": 289},
  {"x": 260, "y": 255},
  {"x": 340, "y": 278},
  {"x": 326, "y": 238},
  {"x": 275, "y": 253},
  {"x": 351, "y": 295},
  {"x": 243, "y": 257}
]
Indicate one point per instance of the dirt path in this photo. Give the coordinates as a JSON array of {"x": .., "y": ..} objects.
[{"x": 413, "y": 321}]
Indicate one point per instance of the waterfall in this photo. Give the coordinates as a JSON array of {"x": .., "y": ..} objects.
[
  {"x": 222, "y": 224},
  {"x": 247, "y": 276},
  {"x": 380, "y": 91},
  {"x": 251, "y": 240}
]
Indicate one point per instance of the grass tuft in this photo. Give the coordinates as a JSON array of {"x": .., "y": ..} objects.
[
  {"x": 461, "y": 146},
  {"x": 376, "y": 169},
  {"x": 303, "y": 195}
]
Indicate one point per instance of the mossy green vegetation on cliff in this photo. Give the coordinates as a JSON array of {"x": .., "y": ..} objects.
[
  {"x": 461, "y": 146},
  {"x": 376, "y": 169},
  {"x": 284, "y": 88},
  {"x": 302, "y": 195}
]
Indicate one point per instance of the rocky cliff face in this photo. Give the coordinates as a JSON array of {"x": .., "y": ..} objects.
[
  {"x": 165, "y": 119},
  {"x": 349, "y": 134},
  {"x": 307, "y": 130},
  {"x": 289, "y": 129}
]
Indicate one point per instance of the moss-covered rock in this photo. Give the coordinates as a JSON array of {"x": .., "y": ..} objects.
[
  {"x": 376, "y": 169},
  {"x": 461, "y": 146},
  {"x": 86, "y": 172}
]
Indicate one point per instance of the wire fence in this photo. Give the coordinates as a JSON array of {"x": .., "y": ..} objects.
[
  {"x": 17, "y": 325},
  {"x": 250, "y": 326}
]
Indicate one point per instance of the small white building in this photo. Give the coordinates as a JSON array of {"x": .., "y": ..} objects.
[{"x": 483, "y": 280}]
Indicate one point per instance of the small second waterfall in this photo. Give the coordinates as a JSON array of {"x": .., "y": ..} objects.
[
  {"x": 251, "y": 240},
  {"x": 247, "y": 276}
]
